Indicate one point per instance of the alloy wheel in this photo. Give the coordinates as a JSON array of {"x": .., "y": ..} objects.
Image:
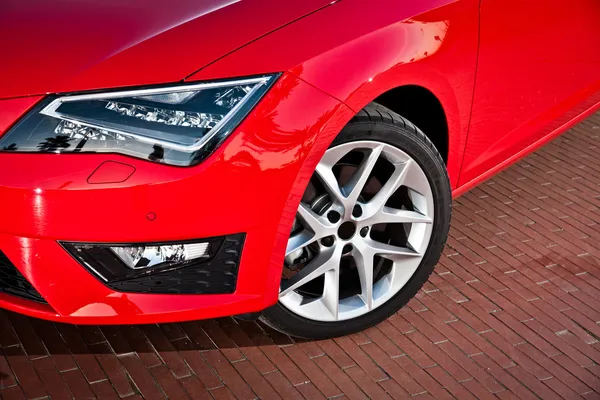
[{"x": 361, "y": 231}]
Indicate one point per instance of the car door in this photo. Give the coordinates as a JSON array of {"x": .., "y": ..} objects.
[{"x": 538, "y": 69}]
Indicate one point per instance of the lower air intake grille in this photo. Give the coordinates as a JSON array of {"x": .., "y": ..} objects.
[{"x": 14, "y": 283}]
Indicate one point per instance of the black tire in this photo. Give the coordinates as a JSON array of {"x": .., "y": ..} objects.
[{"x": 376, "y": 122}]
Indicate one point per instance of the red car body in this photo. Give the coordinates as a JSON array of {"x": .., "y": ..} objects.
[{"x": 509, "y": 77}]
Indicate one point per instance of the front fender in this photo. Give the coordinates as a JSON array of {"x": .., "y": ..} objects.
[{"x": 356, "y": 52}]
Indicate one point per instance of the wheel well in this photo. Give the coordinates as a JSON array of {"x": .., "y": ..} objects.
[{"x": 423, "y": 109}]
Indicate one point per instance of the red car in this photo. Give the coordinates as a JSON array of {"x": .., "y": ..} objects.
[{"x": 289, "y": 160}]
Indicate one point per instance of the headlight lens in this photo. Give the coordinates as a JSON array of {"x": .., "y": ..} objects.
[{"x": 177, "y": 125}]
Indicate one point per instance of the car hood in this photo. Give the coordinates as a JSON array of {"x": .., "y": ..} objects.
[{"x": 73, "y": 45}]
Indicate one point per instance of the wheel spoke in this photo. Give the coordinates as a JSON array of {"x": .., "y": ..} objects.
[
  {"x": 414, "y": 178},
  {"x": 389, "y": 215},
  {"x": 325, "y": 261},
  {"x": 299, "y": 241},
  {"x": 388, "y": 189},
  {"x": 356, "y": 184},
  {"x": 390, "y": 251},
  {"x": 318, "y": 228},
  {"x": 331, "y": 292},
  {"x": 331, "y": 183},
  {"x": 314, "y": 221},
  {"x": 364, "y": 266}
]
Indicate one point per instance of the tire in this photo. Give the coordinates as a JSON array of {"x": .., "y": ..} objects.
[{"x": 376, "y": 123}]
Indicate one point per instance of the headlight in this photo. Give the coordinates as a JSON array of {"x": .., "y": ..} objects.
[{"x": 178, "y": 125}]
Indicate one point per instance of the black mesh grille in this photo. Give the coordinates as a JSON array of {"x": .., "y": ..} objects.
[{"x": 14, "y": 283}]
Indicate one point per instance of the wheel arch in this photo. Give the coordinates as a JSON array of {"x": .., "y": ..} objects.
[{"x": 422, "y": 108}]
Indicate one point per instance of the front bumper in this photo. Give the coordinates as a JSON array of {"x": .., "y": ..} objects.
[{"x": 252, "y": 184}]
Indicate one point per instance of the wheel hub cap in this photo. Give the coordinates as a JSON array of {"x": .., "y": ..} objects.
[{"x": 347, "y": 230}]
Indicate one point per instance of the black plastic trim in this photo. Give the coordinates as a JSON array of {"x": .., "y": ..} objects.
[{"x": 12, "y": 282}]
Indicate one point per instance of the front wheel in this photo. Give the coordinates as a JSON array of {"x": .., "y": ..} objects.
[{"x": 369, "y": 229}]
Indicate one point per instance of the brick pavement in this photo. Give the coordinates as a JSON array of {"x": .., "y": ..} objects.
[{"x": 512, "y": 311}]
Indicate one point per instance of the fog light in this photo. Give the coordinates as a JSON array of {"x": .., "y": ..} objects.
[
  {"x": 122, "y": 261},
  {"x": 138, "y": 257}
]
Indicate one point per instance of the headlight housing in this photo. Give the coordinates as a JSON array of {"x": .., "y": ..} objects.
[{"x": 178, "y": 125}]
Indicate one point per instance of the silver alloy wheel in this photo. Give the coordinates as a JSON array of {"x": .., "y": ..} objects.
[{"x": 349, "y": 236}]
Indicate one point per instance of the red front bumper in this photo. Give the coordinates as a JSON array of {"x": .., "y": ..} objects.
[{"x": 251, "y": 185}]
